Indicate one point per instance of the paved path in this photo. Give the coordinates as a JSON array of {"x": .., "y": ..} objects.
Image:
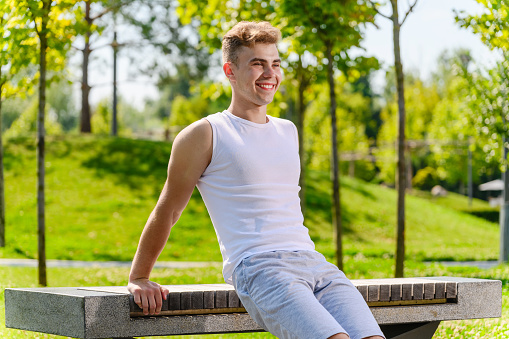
[
  {"x": 104, "y": 264},
  {"x": 479, "y": 264},
  {"x": 186, "y": 264}
]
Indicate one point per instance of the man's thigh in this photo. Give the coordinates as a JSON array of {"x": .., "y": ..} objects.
[
  {"x": 284, "y": 291},
  {"x": 278, "y": 294},
  {"x": 343, "y": 301}
]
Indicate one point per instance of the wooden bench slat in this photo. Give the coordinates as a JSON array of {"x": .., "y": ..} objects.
[
  {"x": 209, "y": 299},
  {"x": 363, "y": 289},
  {"x": 429, "y": 291},
  {"x": 385, "y": 293},
  {"x": 418, "y": 291},
  {"x": 221, "y": 299},
  {"x": 185, "y": 300},
  {"x": 440, "y": 290},
  {"x": 406, "y": 292},
  {"x": 197, "y": 300},
  {"x": 233, "y": 299},
  {"x": 174, "y": 301},
  {"x": 396, "y": 292},
  {"x": 451, "y": 290},
  {"x": 373, "y": 293}
]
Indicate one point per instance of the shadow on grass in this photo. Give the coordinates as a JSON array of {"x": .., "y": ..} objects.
[
  {"x": 319, "y": 200},
  {"x": 489, "y": 215},
  {"x": 135, "y": 163}
]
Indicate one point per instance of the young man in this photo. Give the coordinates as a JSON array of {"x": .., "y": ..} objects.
[{"x": 246, "y": 167}]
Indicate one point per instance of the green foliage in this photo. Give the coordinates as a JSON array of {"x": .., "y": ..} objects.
[
  {"x": 60, "y": 100},
  {"x": 130, "y": 120},
  {"x": 186, "y": 111},
  {"x": 52, "y": 21},
  {"x": 488, "y": 93},
  {"x": 11, "y": 110},
  {"x": 421, "y": 100},
  {"x": 492, "y": 26},
  {"x": 17, "y": 52},
  {"x": 451, "y": 129},
  {"x": 351, "y": 129},
  {"x": 425, "y": 178},
  {"x": 26, "y": 123}
]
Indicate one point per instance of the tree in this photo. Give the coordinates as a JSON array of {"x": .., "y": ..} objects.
[
  {"x": 301, "y": 73},
  {"x": 15, "y": 77},
  {"x": 88, "y": 17},
  {"x": 52, "y": 23},
  {"x": 493, "y": 28},
  {"x": 331, "y": 29},
  {"x": 401, "y": 179}
]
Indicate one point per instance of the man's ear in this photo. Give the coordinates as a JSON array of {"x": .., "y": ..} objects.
[{"x": 228, "y": 70}]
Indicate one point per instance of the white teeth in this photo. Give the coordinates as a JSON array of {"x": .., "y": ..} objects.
[{"x": 266, "y": 86}]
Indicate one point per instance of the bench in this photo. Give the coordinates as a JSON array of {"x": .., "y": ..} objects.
[{"x": 404, "y": 308}]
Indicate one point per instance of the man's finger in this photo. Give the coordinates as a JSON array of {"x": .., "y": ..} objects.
[
  {"x": 137, "y": 298},
  {"x": 145, "y": 304},
  {"x": 152, "y": 303},
  {"x": 164, "y": 292},
  {"x": 159, "y": 302}
]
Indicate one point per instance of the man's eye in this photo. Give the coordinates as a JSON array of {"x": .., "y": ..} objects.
[{"x": 276, "y": 65}]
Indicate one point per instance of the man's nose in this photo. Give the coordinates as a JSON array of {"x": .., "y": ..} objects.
[{"x": 268, "y": 72}]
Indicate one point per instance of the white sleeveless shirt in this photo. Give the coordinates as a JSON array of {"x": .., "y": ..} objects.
[{"x": 251, "y": 186}]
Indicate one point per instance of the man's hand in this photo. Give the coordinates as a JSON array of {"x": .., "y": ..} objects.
[{"x": 148, "y": 295}]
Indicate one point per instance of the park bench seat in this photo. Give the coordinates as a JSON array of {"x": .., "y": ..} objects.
[{"x": 404, "y": 308}]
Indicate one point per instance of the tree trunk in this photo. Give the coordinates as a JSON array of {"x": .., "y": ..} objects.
[
  {"x": 114, "y": 115},
  {"x": 336, "y": 198},
  {"x": 85, "y": 125},
  {"x": 41, "y": 222},
  {"x": 2, "y": 186},
  {"x": 40, "y": 165},
  {"x": 504, "y": 214},
  {"x": 400, "y": 247},
  {"x": 301, "y": 110}
]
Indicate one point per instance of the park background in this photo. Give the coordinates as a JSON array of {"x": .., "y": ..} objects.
[{"x": 102, "y": 179}]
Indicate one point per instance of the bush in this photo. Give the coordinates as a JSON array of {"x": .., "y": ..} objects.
[{"x": 425, "y": 178}]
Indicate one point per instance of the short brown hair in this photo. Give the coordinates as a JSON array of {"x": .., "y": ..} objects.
[{"x": 247, "y": 33}]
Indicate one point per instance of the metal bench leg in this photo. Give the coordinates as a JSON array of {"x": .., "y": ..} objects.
[{"x": 411, "y": 330}]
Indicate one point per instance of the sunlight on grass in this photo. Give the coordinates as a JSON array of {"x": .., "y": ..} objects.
[{"x": 101, "y": 190}]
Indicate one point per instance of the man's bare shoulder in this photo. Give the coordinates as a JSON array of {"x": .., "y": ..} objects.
[
  {"x": 198, "y": 134},
  {"x": 192, "y": 148}
]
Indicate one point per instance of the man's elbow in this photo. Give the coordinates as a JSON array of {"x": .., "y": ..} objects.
[{"x": 174, "y": 217}]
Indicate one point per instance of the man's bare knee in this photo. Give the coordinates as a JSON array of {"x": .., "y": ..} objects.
[
  {"x": 340, "y": 336},
  {"x": 345, "y": 336}
]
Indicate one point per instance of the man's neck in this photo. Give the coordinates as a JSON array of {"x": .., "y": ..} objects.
[{"x": 257, "y": 114}]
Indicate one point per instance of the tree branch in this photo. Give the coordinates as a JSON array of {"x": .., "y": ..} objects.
[
  {"x": 408, "y": 12},
  {"x": 376, "y": 10}
]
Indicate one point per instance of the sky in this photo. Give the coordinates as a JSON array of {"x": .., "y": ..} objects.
[{"x": 428, "y": 31}]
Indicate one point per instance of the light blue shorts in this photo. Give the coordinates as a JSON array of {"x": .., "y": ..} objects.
[{"x": 301, "y": 295}]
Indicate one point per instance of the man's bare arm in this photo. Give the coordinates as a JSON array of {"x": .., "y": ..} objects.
[{"x": 190, "y": 156}]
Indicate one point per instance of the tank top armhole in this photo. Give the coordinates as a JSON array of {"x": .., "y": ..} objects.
[
  {"x": 296, "y": 133},
  {"x": 214, "y": 140}
]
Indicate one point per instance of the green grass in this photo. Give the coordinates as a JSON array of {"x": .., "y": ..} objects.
[{"x": 100, "y": 191}]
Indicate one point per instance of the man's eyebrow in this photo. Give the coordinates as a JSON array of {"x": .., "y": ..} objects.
[{"x": 263, "y": 60}]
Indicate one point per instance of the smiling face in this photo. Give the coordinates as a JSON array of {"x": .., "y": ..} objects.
[{"x": 255, "y": 77}]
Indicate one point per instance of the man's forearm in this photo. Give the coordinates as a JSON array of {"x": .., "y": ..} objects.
[{"x": 152, "y": 242}]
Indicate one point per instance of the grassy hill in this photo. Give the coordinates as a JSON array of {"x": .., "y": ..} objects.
[{"x": 101, "y": 190}]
